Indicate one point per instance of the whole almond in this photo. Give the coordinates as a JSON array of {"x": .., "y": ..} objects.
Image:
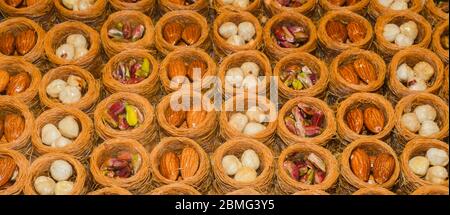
[
  {"x": 199, "y": 64},
  {"x": 7, "y": 168},
  {"x": 176, "y": 68},
  {"x": 172, "y": 32},
  {"x": 14, "y": 125},
  {"x": 365, "y": 70},
  {"x": 25, "y": 41},
  {"x": 383, "y": 167},
  {"x": 7, "y": 43},
  {"x": 169, "y": 166},
  {"x": 337, "y": 31},
  {"x": 4, "y": 80},
  {"x": 348, "y": 73},
  {"x": 191, "y": 34},
  {"x": 356, "y": 32},
  {"x": 195, "y": 118},
  {"x": 360, "y": 164},
  {"x": 189, "y": 162},
  {"x": 175, "y": 118},
  {"x": 355, "y": 120},
  {"x": 373, "y": 119},
  {"x": 18, "y": 83}
]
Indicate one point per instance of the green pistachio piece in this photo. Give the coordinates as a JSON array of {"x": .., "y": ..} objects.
[
  {"x": 301, "y": 75},
  {"x": 127, "y": 73},
  {"x": 119, "y": 26},
  {"x": 136, "y": 162},
  {"x": 146, "y": 66},
  {"x": 297, "y": 84},
  {"x": 302, "y": 171},
  {"x": 288, "y": 81},
  {"x": 131, "y": 115},
  {"x": 141, "y": 73},
  {"x": 310, "y": 178},
  {"x": 144, "y": 70}
]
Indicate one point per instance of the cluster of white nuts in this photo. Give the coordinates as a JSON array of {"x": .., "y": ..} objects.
[
  {"x": 237, "y": 35},
  {"x": 61, "y": 136},
  {"x": 78, "y": 5},
  {"x": 245, "y": 76},
  {"x": 76, "y": 46},
  {"x": 242, "y": 4},
  {"x": 61, "y": 171},
  {"x": 243, "y": 170},
  {"x": 403, "y": 35},
  {"x": 417, "y": 77},
  {"x": 421, "y": 120},
  {"x": 68, "y": 92},
  {"x": 432, "y": 165},
  {"x": 249, "y": 123},
  {"x": 395, "y": 4}
]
